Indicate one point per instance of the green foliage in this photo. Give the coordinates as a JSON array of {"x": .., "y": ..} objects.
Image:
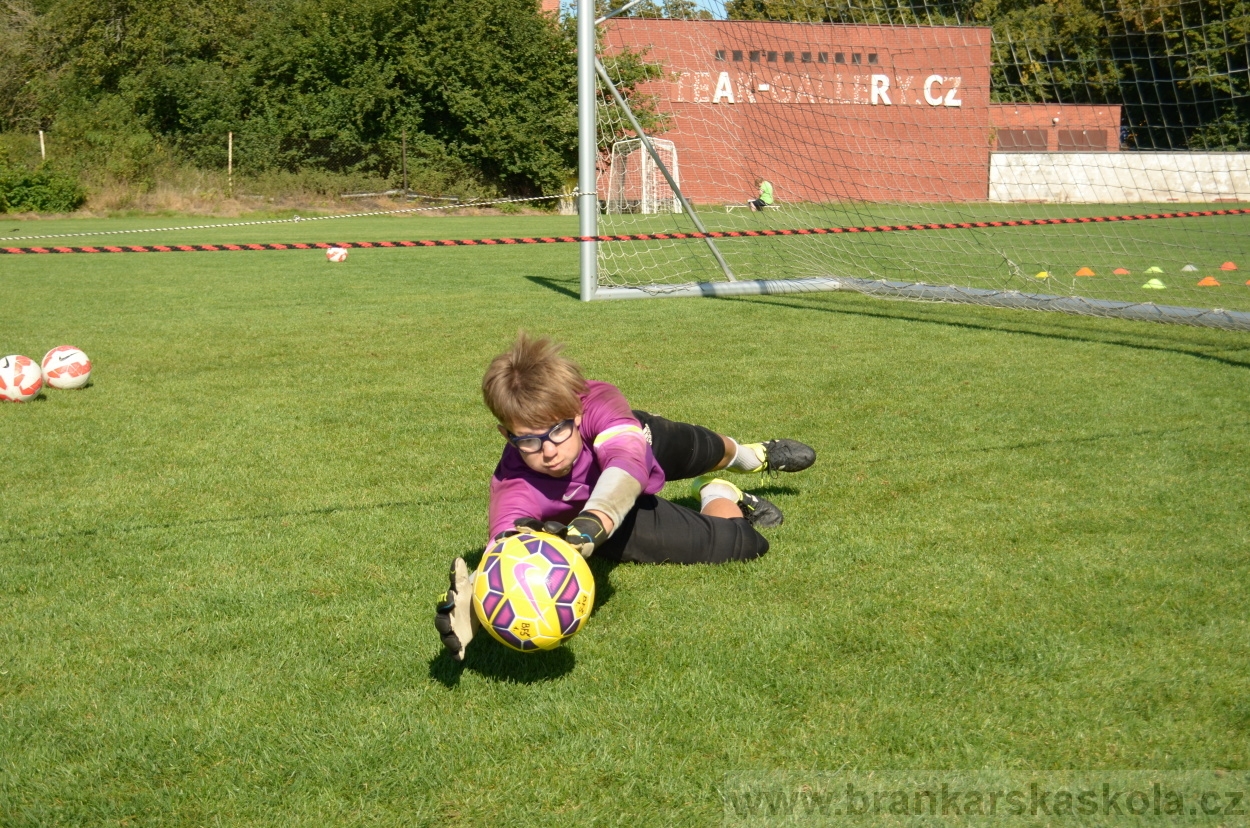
[
  {"x": 19, "y": 66},
  {"x": 1230, "y": 132},
  {"x": 1050, "y": 52},
  {"x": 628, "y": 69},
  {"x": 1178, "y": 67},
  {"x": 669, "y": 9},
  {"x": 487, "y": 87},
  {"x": 484, "y": 91},
  {"x": 1187, "y": 71},
  {"x": 103, "y": 137},
  {"x": 871, "y": 12},
  {"x": 39, "y": 191}
]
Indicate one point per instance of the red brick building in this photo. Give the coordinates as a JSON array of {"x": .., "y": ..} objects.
[
  {"x": 830, "y": 112},
  {"x": 1054, "y": 128}
]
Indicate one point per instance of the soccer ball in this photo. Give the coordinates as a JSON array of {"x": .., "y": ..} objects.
[
  {"x": 20, "y": 378},
  {"x": 337, "y": 254},
  {"x": 66, "y": 367},
  {"x": 532, "y": 591}
]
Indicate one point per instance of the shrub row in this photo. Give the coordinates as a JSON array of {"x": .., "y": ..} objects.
[{"x": 39, "y": 191}]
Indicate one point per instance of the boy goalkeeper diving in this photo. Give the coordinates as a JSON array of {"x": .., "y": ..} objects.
[{"x": 579, "y": 463}]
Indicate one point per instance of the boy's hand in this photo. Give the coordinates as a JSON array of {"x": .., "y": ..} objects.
[
  {"x": 584, "y": 532},
  {"x": 453, "y": 615},
  {"x": 522, "y": 525}
]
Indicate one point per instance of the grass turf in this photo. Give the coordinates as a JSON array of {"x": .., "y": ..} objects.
[{"x": 1024, "y": 545}]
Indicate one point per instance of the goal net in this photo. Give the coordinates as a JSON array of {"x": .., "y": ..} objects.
[{"x": 1089, "y": 157}]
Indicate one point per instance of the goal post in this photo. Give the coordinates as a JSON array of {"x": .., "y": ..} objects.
[
  {"x": 587, "y": 148},
  {"x": 866, "y": 117}
]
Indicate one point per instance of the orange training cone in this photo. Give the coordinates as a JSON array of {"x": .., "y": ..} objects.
[
  {"x": 1119, "y": 271},
  {"x": 1209, "y": 281},
  {"x": 1228, "y": 266},
  {"x": 1085, "y": 271}
]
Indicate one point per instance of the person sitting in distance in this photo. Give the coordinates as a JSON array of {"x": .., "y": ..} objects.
[{"x": 765, "y": 198}]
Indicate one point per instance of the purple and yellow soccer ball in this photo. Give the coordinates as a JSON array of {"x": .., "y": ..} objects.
[{"x": 532, "y": 591}]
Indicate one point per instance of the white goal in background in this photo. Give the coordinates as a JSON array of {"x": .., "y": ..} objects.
[{"x": 635, "y": 183}]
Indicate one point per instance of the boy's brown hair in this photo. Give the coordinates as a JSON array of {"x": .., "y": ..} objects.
[{"x": 532, "y": 385}]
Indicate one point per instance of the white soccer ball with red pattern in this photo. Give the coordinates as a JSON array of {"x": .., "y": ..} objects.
[
  {"x": 66, "y": 367},
  {"x": 337, "y": 254},
  {"x": 20, "y": 378}
]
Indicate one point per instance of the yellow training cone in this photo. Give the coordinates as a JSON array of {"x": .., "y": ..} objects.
[
  {"x": 1154, "y": 284},
  {"x": 1154, "y": 270},
  {"x": 1042, "y": 275}
]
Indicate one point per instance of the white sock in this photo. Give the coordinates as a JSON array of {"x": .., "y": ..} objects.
[
  {"x": 747, "y": 459},
  {"x": 718, "y": 489}
]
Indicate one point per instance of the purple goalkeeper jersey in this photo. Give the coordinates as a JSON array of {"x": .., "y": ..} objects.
[{"x": 611, "y": 438}]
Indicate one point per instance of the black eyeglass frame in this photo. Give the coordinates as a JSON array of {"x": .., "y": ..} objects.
[{"x": 545, "y": 437}]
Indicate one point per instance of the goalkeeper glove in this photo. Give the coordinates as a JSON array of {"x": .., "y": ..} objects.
[
  {"x": 584, "y": 533},
  {"x": 453, "y": 615},
  {"x": 521, "y": 525}
]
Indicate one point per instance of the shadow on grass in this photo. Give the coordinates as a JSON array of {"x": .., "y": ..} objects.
[
  {"x": 1191, "y": 349},
  {"x": 473, "y": 557},
  {"x": 559, "y": 286},
  {"x": 493, "y": 660},
  {"x": 915, "y": 314},
  {"x": 602, "y": 568}
]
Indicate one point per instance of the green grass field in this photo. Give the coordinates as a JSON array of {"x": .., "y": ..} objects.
[{"x": 1025, "y": 544}]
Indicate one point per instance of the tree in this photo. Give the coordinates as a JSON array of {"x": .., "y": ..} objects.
[
  {"x": 486, "y": 89},
  {"x": 19, "y": 66}
]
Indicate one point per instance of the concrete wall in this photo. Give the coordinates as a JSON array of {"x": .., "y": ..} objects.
[{"x": 1120, "y": 177}]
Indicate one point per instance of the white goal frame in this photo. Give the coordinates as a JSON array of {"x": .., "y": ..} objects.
[{"x": 654, "y": 194}]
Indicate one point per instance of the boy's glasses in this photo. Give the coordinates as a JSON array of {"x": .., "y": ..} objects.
[{"x": 533, "y": 443}]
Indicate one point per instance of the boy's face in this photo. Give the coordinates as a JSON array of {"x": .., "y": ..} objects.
[{"x": 554, "y": 459}]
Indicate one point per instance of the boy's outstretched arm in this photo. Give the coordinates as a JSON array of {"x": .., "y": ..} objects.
[
  {"x": 613, "y": 496},
  {"x": 610, "y": 500}
]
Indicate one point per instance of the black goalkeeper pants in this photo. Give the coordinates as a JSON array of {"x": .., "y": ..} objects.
[{"x": 657, "y": 531}]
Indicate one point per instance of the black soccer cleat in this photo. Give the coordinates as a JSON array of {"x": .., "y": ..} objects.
[
  {"x": 787, "y": 455},
  {"x": 760, "y": 513}
]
